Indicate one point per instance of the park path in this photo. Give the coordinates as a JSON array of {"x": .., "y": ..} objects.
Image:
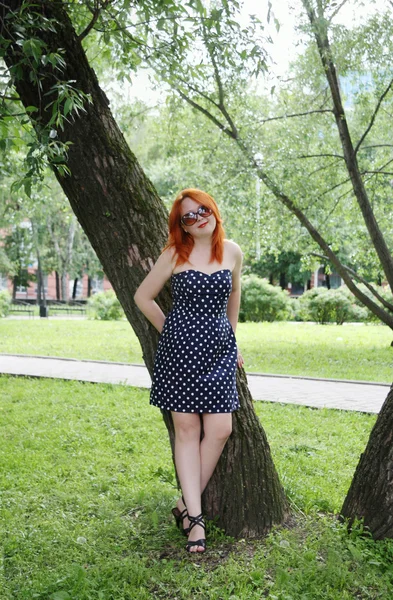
[{"x": 360, "y": 396}]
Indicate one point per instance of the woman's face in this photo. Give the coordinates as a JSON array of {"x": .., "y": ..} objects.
[{"x": 209, "y": 223}]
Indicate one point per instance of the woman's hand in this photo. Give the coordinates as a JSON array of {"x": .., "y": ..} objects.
[{"x": 240, "y": 360}]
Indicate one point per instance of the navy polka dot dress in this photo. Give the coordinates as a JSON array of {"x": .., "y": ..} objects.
[{"x": 196, "y": 358}]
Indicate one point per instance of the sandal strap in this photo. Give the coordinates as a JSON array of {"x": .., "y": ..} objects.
[
  {"x": 201, "y": 542},
  {"x": 198, "y": 520},
  {"x": 183, "y": 514}
]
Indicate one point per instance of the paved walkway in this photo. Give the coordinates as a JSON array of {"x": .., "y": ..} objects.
[{"x": 361, "y": 396}]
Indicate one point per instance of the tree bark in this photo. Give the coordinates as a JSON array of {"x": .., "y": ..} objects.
[
  {"x": 57, "y": 285},
  {"x": 370, "y": 496},
  {"x": 126, "y": 223},
  {"x": 64, "y": 287},
  {"x": 74, "y": 288}
]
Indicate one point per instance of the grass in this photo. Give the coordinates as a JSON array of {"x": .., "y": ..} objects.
[
  {"x": 87, "y": 485},
  {"x": 338, "y": 352}
]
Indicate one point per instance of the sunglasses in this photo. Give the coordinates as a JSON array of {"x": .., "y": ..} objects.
[{"x": 192, "y": 217}]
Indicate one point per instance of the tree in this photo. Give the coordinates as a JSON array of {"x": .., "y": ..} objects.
[
  {"x": 118, "y": 209},
  {"x": 206, "y": 80},
  {"x": 226, "y": 62}
]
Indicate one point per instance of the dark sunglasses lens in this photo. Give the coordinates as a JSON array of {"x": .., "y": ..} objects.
[
  {"x": 188, "y": 220},
  {"x": 205, "y": 212},
  {"x": 191, "y": 218}
]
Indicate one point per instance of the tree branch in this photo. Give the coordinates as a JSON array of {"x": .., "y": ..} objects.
[
  {"x": 96, "y": 14},
  {"x": 197, "y": 91},
  {"x": 205, "y": 112},
  {"x": 374, "y": 115},
  {"x": 320, "y": 156},
  {"x": 323, "y": 168},
  {"x": 220, "y": 87},
  {"x": 337, "y": 10},
  {"x": 380, "y": 172},
  {"x": 387, "y": 304},
  {"x": 377, "y": 146},
  {"x": 319, "y": 28},
  {"x": 14, "y": 98},
  {"x": 302, "y": 114}
]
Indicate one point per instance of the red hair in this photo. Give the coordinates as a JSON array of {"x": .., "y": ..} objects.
[{"x": 183, "y": 242}]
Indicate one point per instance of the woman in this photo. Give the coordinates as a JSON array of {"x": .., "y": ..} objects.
[{"x": 195, "y": 364}]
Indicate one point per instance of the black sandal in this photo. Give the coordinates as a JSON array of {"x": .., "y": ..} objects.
[
  {"x": 179, "y": 517},
  {"x": 202, "y": 542}
]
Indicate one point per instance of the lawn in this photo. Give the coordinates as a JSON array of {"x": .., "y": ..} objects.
[
  {"x": 338, "y": 352},
  {"x": 87, "y": 485}
]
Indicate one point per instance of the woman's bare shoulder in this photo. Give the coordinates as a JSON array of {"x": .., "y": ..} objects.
[
  {"x": 169, "y": 256},
  {"x": 233, "y": 247}
]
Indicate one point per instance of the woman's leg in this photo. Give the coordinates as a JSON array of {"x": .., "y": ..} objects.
[
  {"x": 217, "y": 429},
  {"x": 188, "y": 466}
]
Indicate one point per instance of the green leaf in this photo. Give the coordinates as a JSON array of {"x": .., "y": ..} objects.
[{"x": 68, "y": 106}]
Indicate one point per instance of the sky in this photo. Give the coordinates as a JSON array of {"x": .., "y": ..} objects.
[{"x": 287, "y": 42}]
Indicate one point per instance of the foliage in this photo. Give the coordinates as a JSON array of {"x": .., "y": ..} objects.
[
  {"x": 64, "y": 100},
  {"x": 207, "y": 55},
  {"x": 18, "y": 247},
  {"x": 105, "y": 306},
  {"x": 261, "y": 301},
  {"x": 5, "y": 303},
  {"x": 329, "y": 306},
  {"x": 382, "y": 291}
]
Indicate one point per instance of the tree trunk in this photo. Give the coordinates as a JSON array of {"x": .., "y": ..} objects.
[
  {"x": 371, "y": 493},
  {"x": 57, "y": 285},
  {"x": 89, "y": 286},
  {"x": 283, "y": 281},
  {"x": 126, "y": 223},
  {"x": 64, "y": 287},
  {"x": 244, "y": 492},
  {"x": 39, "y": 287},
  {"x": 74, "y": 288}
]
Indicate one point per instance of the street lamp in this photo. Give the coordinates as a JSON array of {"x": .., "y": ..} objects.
[{"x": 258, "y": 159}]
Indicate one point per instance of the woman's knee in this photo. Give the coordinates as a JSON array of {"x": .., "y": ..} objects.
[{"x": 187, "y": 426}]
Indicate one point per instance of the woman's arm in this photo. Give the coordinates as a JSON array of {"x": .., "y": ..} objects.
[
  {"x": 234, "y": 298},
  {"x": 151, "y": 287}
]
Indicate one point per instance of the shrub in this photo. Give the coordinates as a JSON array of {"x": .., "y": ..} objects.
[
  {"x": 105, "y": 307},
  {"x": 261, "y": 301},
  {"x": 329, "y": 306},
  {"x": 5, "y": 303},
  {"x": 370, "y": 316}
]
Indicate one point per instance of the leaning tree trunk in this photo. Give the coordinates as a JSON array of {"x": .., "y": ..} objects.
[
  {"x": 126, "y": 223},
  {"x": 371, "y": 493}
]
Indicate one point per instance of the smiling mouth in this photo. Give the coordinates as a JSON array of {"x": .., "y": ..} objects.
[{"x": 203, "y": 224}]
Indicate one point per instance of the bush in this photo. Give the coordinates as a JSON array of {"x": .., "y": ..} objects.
[
  {"x": 329, "y": 306},
  {"x": 105, "y": 307},
  {"x": 5, "y": 303},
  {"x": 370, "y": 316},
  {"x": 261, "y": 301}
]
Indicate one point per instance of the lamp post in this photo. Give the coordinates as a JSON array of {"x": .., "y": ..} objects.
[{"x": 258, "y": 158}]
